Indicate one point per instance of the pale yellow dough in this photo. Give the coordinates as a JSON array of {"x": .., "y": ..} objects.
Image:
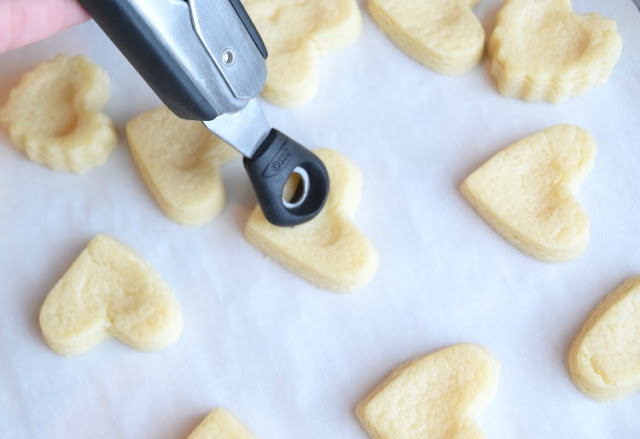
[
  {"x": 180, "y": 160},
  {"x": 53, "y": 114},
  {"x": 525, "y": 192},
  {"x": 444, "y": 35},
  {"x": 540, "y": 50},
  {"x": 109, "y": 291},
  {"x": 328, "y": 251},
  {"x": 604, "y": 359},
  {"x": 297, "y": 33},
  {"x": 221, "y": 424},
  {"x": 437, "y": 396}
]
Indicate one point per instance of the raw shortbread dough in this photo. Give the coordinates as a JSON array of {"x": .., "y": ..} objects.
[
  {"x": 109, "y": 290},
  {"x": 437, "y": 396},
  {"x": 180, "y": 161},
  {"x": 444, "y": 35},
  {"x": 53, "y": 114},
  {"x": 329, "y": 250},
  {"x": 525, "y": 192},
  {"x": 541, "y": 50},
  {"x": 297, "y": 33},
  {"x": 221, "y": 424},
  {"x": 604, "y": 359}
]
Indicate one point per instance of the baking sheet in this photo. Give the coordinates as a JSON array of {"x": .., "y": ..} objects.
[{"x": 287, "y": 358}]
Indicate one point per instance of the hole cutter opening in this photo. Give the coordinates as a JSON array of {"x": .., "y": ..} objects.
[{"x": 296, "y": 188}]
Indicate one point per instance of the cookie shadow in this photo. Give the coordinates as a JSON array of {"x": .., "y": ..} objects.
[
  {"x": 488, "y": 19},
  {"x": 240, "y": 198},
  {"x": 184, "y": 428}
]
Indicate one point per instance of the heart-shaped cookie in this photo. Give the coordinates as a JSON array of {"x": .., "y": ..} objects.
[
  {"x": 109, "y": 290},
  {"x": 444, "y": 35},
  {"x": 541, "y": 50},
  {"x": 436, "y": 396},
  {"x": 53, "y": 114},
  {"x": 604, "y": 359},
  {"x": 180, "y": 161},
  {"x": 525, "y": 192},
  {"x": 297, "y": 33},
  {"x": 221, "y": 424},
  {"x": 329, "y": 250}
]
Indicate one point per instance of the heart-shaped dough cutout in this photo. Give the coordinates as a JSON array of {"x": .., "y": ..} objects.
[
  {"x": 53, "y": 114},
  {"x": 525, "y": 192},
  {"x": 180, "y": 160},
  {"x": 541, "y": 50},
  {"x": 297, "y": 33},
  {"x": 444, "y": 35},
  {"x": 221, "y": 424},
  {"x": 435, "y": 396},
  {"x": 604, "y": 359},
  {"x": 109, "y": 290},
  {"x": 329, "y": 250}
]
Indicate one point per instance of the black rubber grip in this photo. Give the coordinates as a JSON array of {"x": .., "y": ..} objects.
[
  {"x": 139, "y": 45},
  {"x": 269, "y": 169}
]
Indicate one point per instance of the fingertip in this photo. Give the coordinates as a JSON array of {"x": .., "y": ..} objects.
[
  {"x": 22, "y": 24},
  {"x": 75, "y": 14}
]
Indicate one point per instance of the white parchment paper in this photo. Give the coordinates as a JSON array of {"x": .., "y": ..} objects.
[{"x": 292, "y": 360}]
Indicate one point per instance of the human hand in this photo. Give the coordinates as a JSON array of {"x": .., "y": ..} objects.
[{"x": 25, "y": 21}]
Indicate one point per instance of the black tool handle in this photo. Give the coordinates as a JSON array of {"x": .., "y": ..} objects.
[
  {"x": 139, "y": 44},
  {"x": 269, "y": 169}
]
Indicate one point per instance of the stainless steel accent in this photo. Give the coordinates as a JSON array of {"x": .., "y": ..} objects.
[
  {"x": 245, "y": 130},
  {"x": 209, "y": 41},
  {"x": 228, "y": 57},
  {"x": 199, "y": 49},
  {"x": 225, "y": 32}
]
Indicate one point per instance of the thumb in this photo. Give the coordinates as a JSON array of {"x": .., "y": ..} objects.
[{"x": 25, "y": 21}]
